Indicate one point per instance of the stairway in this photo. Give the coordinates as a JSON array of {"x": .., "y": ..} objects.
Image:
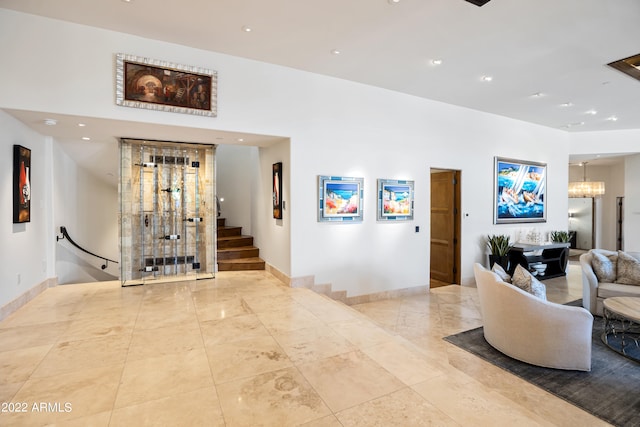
[{"x": 236, "y": 251}]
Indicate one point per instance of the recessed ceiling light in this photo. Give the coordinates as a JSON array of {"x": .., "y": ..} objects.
[
  {"x": 537, "y": 95},
  {"x": 570, "y": 125},
  {"x": 127, "y": 1},
  {"x": 567, "y": 104},
  {"x": 86, "y": 138},
  {"x": 50, "y": 122},
  {"x": 393, "y": 1},
  {"x": 246, "y": 29},
  {"x": 336, "y": 52},
  {"x": 592, "y": 112},
  {"x": 487, "y": 78},
  {"x": 81, "y": 125},
  {"x": 436, "y": 61},
  {"x": 612, "y": 119},
  {"x": 240, "y": 139}
]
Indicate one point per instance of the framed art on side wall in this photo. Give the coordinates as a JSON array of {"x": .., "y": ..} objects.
[
  {"x": 21, "y": 184},
  {"x": 165, "y": 86},
  {"x": 395, "y": 200},
  {"x": 519, "y": 191},
  {"x": 277, "y": 190},
  {"x": 340, "y": 198}
]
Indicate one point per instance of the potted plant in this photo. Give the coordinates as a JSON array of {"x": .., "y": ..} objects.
[
  {"x": 561, "y": 236},
  {"x": 499, "y": 245}
]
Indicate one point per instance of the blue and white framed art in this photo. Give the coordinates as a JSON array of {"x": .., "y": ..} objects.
[
  {"x": 395, "y": 200},
  {"x": 340, "y": 198},
  {"x": 519, "y": 191}
]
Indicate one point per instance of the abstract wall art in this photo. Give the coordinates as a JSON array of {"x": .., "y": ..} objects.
[
  {"x": 395, "y": 200},
  {"x": 519, "y": 191},
  {"x": 21, "y": 184},
  {"x": 340, "y": 198}
]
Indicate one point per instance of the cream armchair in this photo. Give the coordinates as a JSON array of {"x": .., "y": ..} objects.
[
  {"x": 594, "y": 291},
  {"x": 530, "y": 329}
]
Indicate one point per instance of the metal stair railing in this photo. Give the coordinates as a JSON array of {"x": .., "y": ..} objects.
[{"x": 63, "y": 230}]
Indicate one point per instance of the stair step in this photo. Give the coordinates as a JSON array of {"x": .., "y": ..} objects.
[
  {"x": 235, "y": 250},
  {"x": 239, "y": 252},
  {"x": 229, "y": 231},
  {"x": 234, "y": 241},
  {"x": 243, "y": 264}
]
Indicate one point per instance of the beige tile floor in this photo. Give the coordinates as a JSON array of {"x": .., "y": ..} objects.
[{"x": 243, "y": 350}]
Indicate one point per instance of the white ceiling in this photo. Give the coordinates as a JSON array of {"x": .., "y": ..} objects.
[{"x": 557, "y": 48}]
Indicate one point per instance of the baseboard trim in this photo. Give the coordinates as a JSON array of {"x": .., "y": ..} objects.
[
  {"x": 13, "y": 306},
  {"x": 277, "y": 274},
  {"x": 394, "y": 293},
  {"x": 308, "y": 282}
]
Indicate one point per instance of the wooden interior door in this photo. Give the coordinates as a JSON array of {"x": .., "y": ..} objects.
[{"x": 445, "y": 228}]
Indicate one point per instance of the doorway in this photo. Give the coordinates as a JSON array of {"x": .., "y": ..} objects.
[
  {"x": 445, "y": 228},
  {"x": 167, "y": 228},
  {"x": 582, "y": 222}
]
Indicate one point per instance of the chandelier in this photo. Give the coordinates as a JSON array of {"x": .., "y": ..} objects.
[{"x": 586, "y": 188}]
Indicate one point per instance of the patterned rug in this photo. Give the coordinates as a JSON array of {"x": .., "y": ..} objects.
[{"x": 610, "y": 391}]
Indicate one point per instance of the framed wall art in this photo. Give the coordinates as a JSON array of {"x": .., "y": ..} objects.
[
  {"x": 277, "y": 190},
  {"x": 340, "y": 198},
  {"x": 21, "y": 184},
  {"x": 165, "y": 86},
  {"x": 395, "y": 200},
  {"x": 519, "y": 191}
]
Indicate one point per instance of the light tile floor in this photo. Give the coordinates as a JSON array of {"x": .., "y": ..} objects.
[{"x": 243, "y": 350}]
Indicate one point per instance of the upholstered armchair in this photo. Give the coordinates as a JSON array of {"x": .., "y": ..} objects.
[
  {"x": 596, "y": 287},
  {"x": 533, "y": 330}
]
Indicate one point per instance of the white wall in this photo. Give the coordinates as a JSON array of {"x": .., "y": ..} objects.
[
  {"x": 582, "y": 221},
  {"x": 88, "y": 208},
  {"x": 605, "y": 206},
  {"x": 388, "y": 135},
  {"x": 632, "y": 204},
  {"x": 606, "y": 142},
  {"x": 244, "y": 180},
  {"x": 25, "y": 250},
  {"x": 617, "y": 142},
  {"x": 236, "y": 167},
  {"x": 335, "y": 127},
  {"x": 272, "y": 235}
]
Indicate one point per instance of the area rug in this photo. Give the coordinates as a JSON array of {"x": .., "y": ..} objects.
[{"x": 611, "y": 391}]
